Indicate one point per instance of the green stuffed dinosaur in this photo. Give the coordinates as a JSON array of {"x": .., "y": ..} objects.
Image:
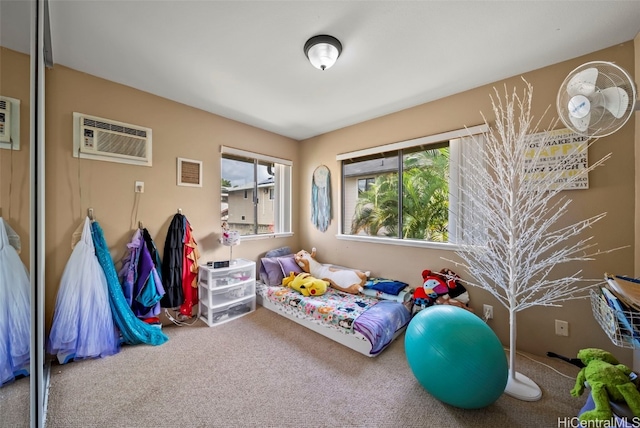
[{"x": 609, "y": 381}]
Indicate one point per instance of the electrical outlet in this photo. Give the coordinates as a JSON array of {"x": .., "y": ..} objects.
[
  {"x": 562, "y": 328},
  {"x": 139, "y": 187},
  {"x": 488, "y": 312}
]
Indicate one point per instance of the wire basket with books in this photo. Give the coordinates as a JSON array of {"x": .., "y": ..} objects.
[{"x": 616, "y": 307}]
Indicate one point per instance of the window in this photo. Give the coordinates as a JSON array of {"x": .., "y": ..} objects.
[
  {"x": 256, "y": 192},
  {"x": 364, "y": 184},
  {"x": 405, "y": 190}
]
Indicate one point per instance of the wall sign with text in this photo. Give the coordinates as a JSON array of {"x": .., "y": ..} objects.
[{"x": 559, "y": 155}]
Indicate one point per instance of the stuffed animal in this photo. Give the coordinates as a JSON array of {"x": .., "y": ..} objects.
[
  {"x": 305, "y": 284},
  {"x": 609, "y": 381},
  {"x": 437, "y": 289},
  {"x": 347, "y": 280},
  {"x": 456, "y": 289}
]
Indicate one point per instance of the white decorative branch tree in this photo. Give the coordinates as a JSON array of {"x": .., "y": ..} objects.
[{"x": 510, "y": 239}]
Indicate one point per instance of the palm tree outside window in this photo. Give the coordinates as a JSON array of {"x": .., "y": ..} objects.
[
  {"x": 409, "y": 190},
  {"x": 415, "y": 207}
]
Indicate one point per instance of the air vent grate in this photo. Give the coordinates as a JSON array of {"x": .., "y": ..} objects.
[
  {"x": 189, "y": 172},
  {"x": 121, "y": 144},
  {"x": 115, "y": 128}
]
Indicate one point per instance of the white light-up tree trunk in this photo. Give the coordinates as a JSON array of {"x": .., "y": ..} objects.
[{"x": 509, "y": 241}]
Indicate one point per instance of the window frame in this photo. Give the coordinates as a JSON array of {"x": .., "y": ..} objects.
[
  {"x": 282, "y": 191},
  {"x": 456, "y": 157},
  {"x": 368, "y": 181}
]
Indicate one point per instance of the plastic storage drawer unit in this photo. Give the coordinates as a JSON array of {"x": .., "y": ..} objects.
[{"x": 226, "y": 293}]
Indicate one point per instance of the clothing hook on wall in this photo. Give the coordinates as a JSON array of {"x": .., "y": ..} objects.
[
  {"x": 179, "y": 210},
  {"x": 140, "y": 225},
  {"x": 90, "y": 213}
]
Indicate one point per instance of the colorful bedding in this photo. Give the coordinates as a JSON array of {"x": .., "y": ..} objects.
[{"x": 377, "y": 320}]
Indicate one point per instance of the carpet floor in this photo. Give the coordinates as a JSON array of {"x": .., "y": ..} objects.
[{"x": 263, "y": 370}]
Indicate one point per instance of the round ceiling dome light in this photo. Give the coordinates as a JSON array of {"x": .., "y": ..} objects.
[{"x": 322, "y": 51}]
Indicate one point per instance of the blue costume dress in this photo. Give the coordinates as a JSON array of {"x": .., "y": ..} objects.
[
  {"x": 83, "y": 325},
  {"x": 15, "y": 312},
  {"x": 132, "y": 330}
]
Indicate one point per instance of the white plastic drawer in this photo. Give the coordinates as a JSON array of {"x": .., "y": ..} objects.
[
  {"x": 221, "y": 314},
  {"x": 241, "y": 271},
  {"x": 223, "y": 295}
]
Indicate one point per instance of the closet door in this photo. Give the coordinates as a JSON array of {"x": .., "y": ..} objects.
[
  {"x": 17, "y": 24},
  {"x": 40, "y": 54}
]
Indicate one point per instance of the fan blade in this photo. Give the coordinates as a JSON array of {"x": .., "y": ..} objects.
[
  {"x": 583, "y": 83},
  {"x": 581, "y": 123},
  {"x": 616, "y": 101}
]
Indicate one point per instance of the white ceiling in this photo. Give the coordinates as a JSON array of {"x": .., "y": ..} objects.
[{"x": 244, "y": 60}]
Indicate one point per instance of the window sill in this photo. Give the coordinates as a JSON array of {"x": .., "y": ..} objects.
[
  {"x": 265, "y": 236},
  {"x": 400, "y": 242}
]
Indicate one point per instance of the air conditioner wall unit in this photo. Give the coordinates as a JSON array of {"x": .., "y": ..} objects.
[
  {"x": 108, "y": 140},
  {"x": 5, "y": 120},
  {"x": 9, "y": 123}
]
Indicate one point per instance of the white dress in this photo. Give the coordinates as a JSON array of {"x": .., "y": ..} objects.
[
  {"x": 15, "y": 310},
  {"x": 83, "y": 325}
]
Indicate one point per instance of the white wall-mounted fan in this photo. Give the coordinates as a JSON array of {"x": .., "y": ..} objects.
[{"x": 596, "y": 99}]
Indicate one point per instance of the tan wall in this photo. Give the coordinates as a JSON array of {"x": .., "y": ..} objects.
[
  {"x": 611, "y": 190},
  {"x": 14, "y": 164},
  {"x": 181, "y": 131},
  {"x": 73, "y": 185}
]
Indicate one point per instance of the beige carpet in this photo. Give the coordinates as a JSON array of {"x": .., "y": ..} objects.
[
  {"x": 263, "y": 370},
  {"x": 15, "y": 404}
]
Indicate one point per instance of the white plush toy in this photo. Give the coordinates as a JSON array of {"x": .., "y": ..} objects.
[{"x": 343, "y": 279}]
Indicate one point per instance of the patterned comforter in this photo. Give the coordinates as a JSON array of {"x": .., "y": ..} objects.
[{"x": 377, "y": 320}]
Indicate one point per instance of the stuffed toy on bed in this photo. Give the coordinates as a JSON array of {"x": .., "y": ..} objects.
[
  {"x": 305, "y": 284},
  {"x": 343, "y": 279},
  {"x": 609, "y": 381}
]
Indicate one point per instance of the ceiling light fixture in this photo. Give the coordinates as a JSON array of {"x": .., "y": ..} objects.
[{"x": 322, "y": 51}]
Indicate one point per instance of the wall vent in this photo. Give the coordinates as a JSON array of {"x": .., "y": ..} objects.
[
  {"x": 189, "y": 172},
  {"x": 107, "y": 140}
]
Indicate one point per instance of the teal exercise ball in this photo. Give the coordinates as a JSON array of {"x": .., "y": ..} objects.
[{"x": 456, "y": 357}]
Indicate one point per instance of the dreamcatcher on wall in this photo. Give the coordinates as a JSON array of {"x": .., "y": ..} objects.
[{"x": 321, "y": 198}]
